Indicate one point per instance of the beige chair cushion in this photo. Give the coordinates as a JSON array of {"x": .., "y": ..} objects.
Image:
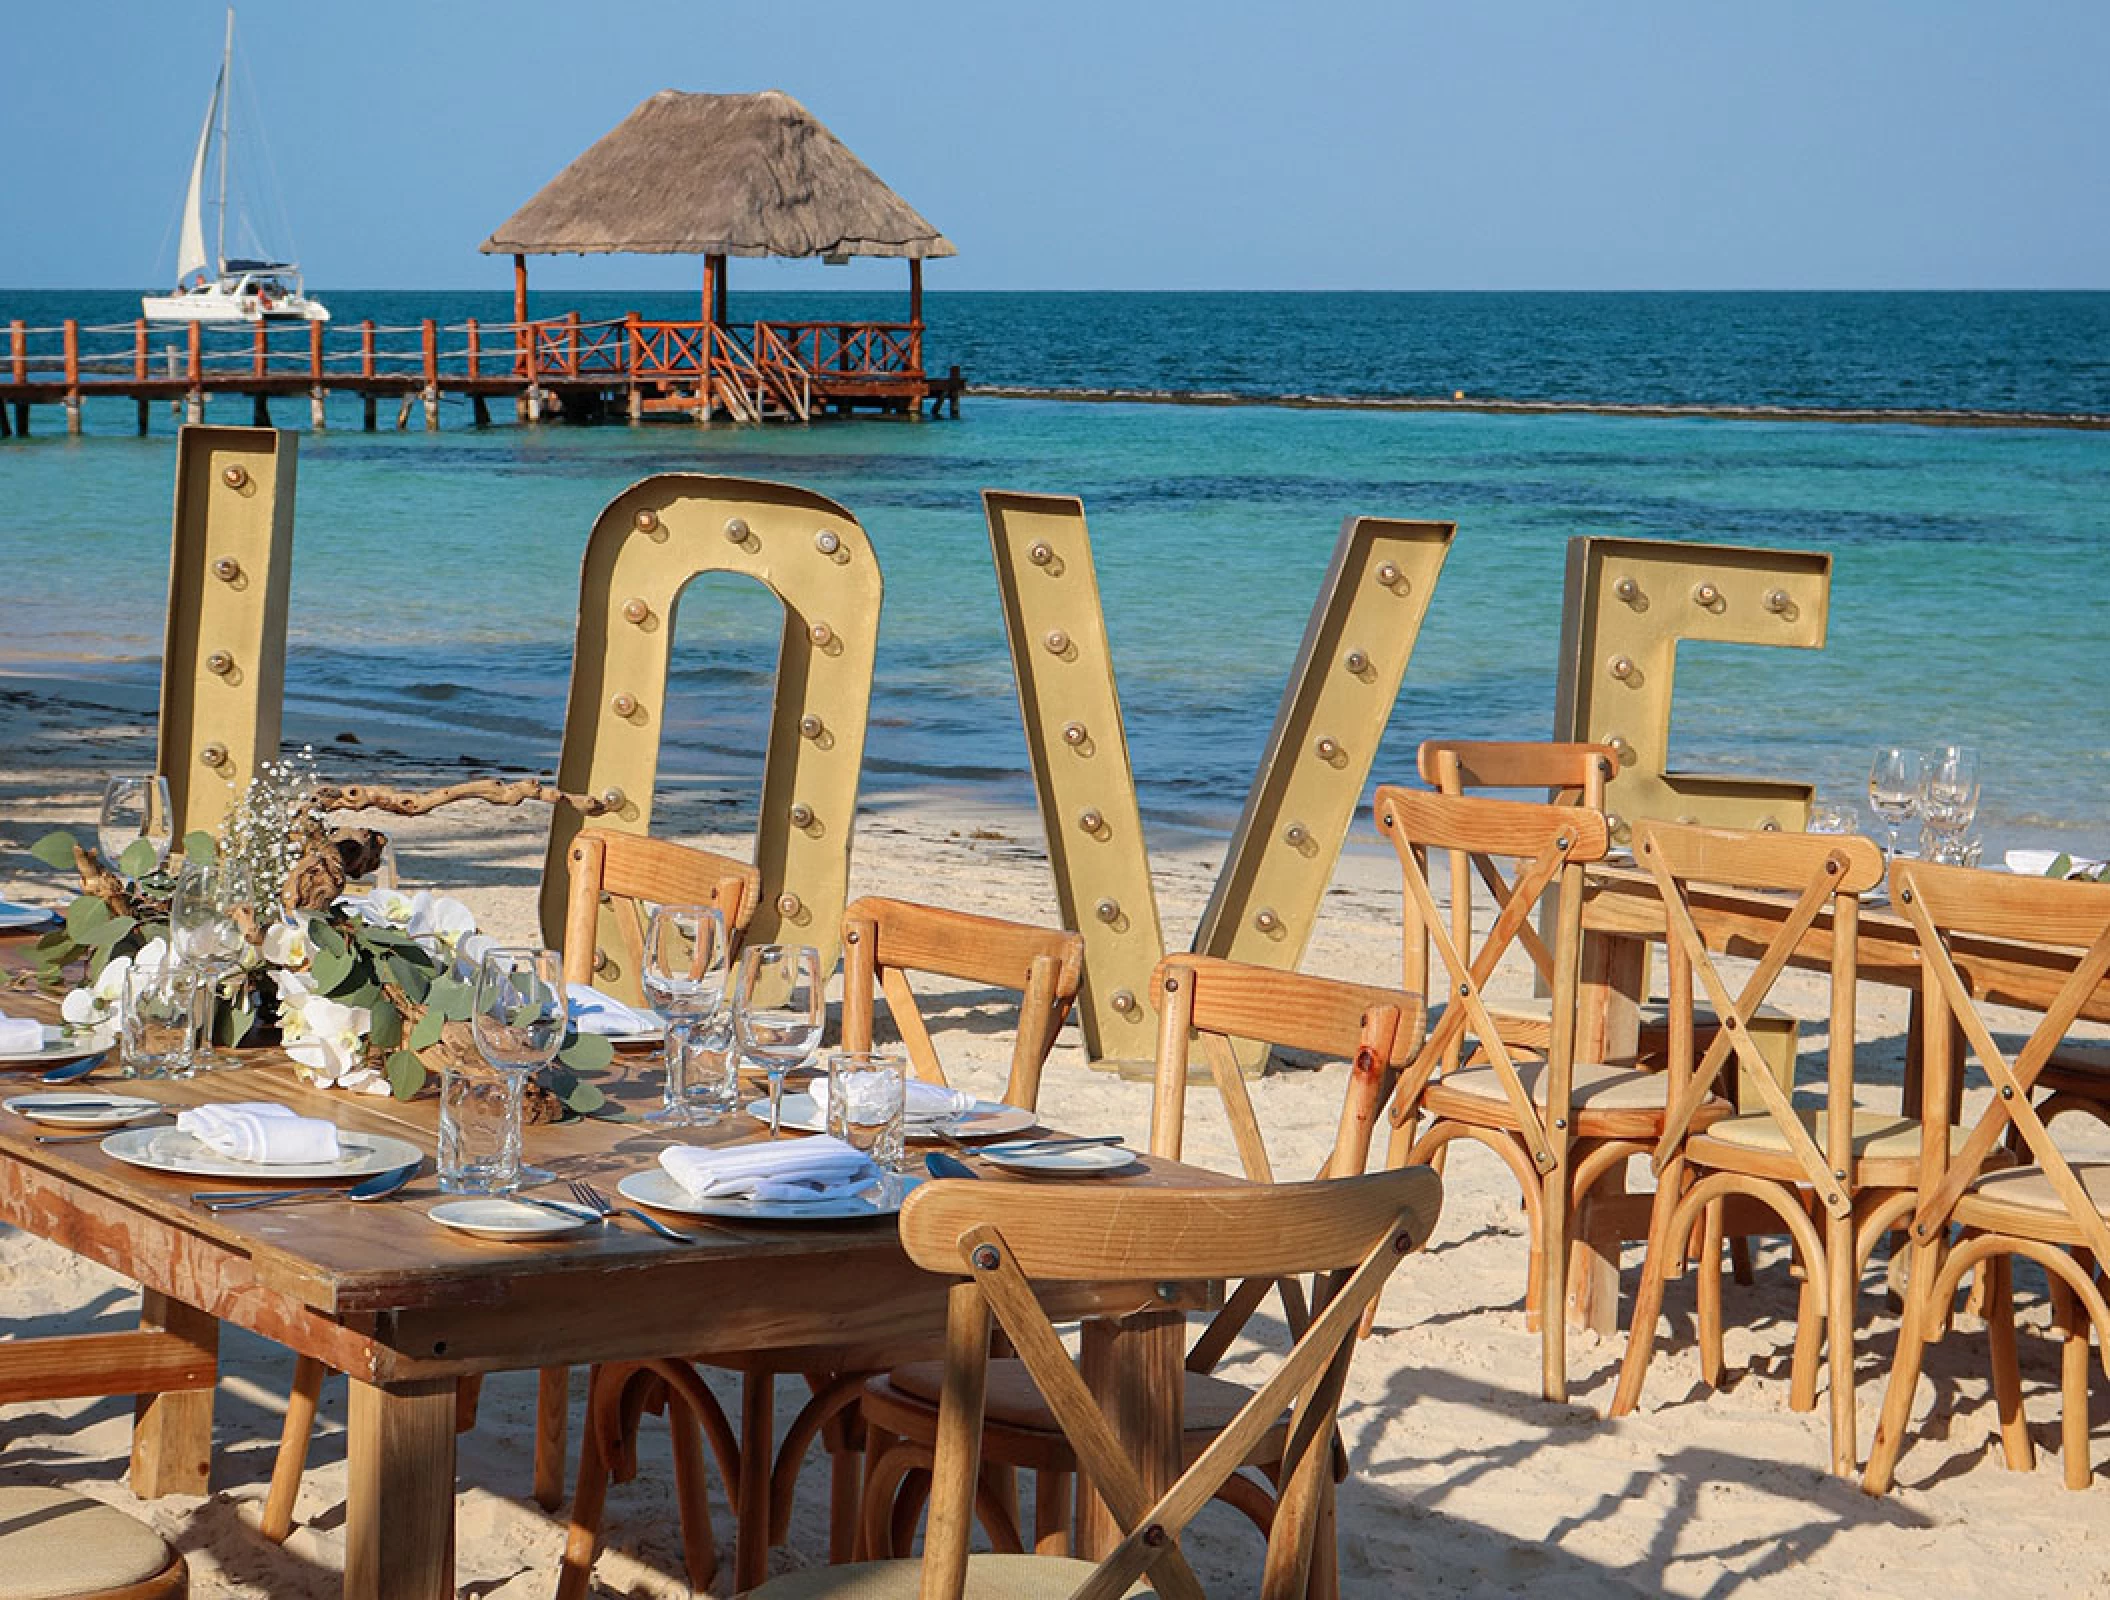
[
  {"x": 988, "y": 1578},
  {"x": 1597, "y": 1087},
  {"x": 1014, "y": 1400},
  {"x": 2028, "y": 1186},
  {"x": 1877, "y": 1137},
  {"x": 55, "y": 1545}
]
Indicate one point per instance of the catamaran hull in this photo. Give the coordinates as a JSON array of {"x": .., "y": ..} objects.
[{"x": 227, "y": 308}]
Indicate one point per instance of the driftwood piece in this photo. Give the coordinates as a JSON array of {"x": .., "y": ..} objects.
[
  {"x": 457, "y": 1048},
  {"x": 321, "y": 874},
  {"x": 105, "y": 885},
  {"x": 415, "y": 802}
]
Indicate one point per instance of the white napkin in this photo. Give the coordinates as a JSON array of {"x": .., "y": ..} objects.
[
  {"x": 797, "y": 1169},
  {"x": 2035, "y": 863},
  {"x": 594, "y": 1011},
  {"x": 20, "y": 1035},
  {"x": 256, "y": 1130},
  {"x": 924, "y": 1102}
]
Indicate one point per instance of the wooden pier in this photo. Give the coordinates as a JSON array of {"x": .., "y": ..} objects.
[{"x": 559, "y": 367}]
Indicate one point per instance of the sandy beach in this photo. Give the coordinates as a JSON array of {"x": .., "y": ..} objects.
[{"x": 1465, "y": 1482}]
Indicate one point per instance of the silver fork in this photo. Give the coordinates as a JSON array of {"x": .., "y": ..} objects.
[{"x": 598, "y": 1203}]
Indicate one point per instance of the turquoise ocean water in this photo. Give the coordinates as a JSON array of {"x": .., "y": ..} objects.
[{"x": 435, "y": 576}]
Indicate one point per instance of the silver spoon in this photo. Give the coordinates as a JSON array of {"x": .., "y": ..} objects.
[
  {"x": 74, "y": 1069},
  {"x": 379, "y": 1186}
]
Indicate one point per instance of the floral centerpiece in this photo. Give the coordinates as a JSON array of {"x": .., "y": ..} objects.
[{"x": 366, "y": 991}]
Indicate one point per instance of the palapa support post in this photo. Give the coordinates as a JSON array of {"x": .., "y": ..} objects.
[
  {"x": 1628, "y": 604},
  {"x": 260, "y": 411},
  {"x": 368, "y": 411},
  {"x": 812, "y": 555},
  {"x": 224, "y": 658}
]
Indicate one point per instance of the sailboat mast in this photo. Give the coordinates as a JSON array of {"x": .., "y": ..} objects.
[{"x": 225, "y": 94}]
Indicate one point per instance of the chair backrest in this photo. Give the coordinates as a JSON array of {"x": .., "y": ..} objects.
[
  {"x": 1827, "y": 874},
  {"x": 628, "y": 871},
  {"x": 1545, "y": 847},
  {"x": 2068, "y": 926},
  {"x": 1568, "y": 774},
  {"x": 1002, "y": 1240},
  {"x": 886, "y": 940},
  {"x": 1205, "y": 997}
]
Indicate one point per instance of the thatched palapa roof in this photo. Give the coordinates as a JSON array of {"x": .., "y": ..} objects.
[{"x": 718, "y": 174}]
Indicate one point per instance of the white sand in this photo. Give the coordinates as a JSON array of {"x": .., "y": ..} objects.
[{"x": 1465, "y": 1481}]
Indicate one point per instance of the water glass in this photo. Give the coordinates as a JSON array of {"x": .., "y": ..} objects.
[
  {"x": 1897, "y": 782},
  {"x": 1831, "y": 817},
  {"x": 1951, "y": 803},
  {"x": 780, "y": 1010},
  {"x": 519, "y": 1016},
  {"x": 158, "y": 1013},
  {"x": 867, "y": 1104},
  {"x": 684, "y": 975},
  {"x": 136, "y": 827},
  {"x": 479, "y": 1129},
  {"x": 206, "y": 935}
]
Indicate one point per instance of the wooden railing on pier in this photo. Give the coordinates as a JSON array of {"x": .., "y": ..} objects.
[{"x": 752, "y": 373}]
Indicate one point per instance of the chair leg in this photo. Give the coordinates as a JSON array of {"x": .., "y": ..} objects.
[
  {"x": 843, "y": 1435},
  {"x": 1054, "y": 1495},
  {"x": 2071, "y": 1319},
  {"x": 1904, "y": 1375},
  {"x": 1648, "y": 1298},
  {"x": 1553, "y": 1284},
  {"x": 699, "y": 1540},
  {"x": 1810, "y": 1334},
  {"x": 2016, "y": 1447},
  {"x": 1839, "y": 1277},
  {"x": 552, "y": 1414},
  {"x": 751, "y": 1494},
  {"x": 589, "y": 1502},
  {"x": 877, "y": 1444},
  {"x": 293, "y": 1438},
  {"x": 467, "y": 1394},
  {"x": 1709, "y": 1296}
]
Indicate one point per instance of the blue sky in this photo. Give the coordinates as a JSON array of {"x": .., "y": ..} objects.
[{"x": 1356, "y": 145}]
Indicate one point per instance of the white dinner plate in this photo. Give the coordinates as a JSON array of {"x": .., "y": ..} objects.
[
  {"x": 172, "y": 1150},
  {"x": 986, "y": 1119},
  {"x": 654, "y": 1187},
  {"x": 89, "y": 1110},
  {"x": 505, "y": 1219},
  {"x": 1073, "y": 1161},
  {"x": 13, "y": 914},
  {"x": 59, "y": 1045}
]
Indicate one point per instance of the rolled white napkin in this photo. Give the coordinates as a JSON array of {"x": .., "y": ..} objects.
[
  {"x": 799, "y": 1169},
  {"x": 20, "y": 1035},
  {"x": 595, "y": 1011},
  {"x": 924, "y": 1102},
  {"x": 258, "y": 1131},
  {"x": 2035, "y": 863}
]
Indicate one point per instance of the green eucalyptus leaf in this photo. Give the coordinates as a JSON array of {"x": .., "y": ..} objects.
[
  {"x": 105, "y": 937},
  {"x": 406, "y": 1074},
  {"x": 425, "y": 1033},
  {"x": 52, "y": 943},
  {"x": 139, "y": 858},
  {"x": 452, "y": 997},
  {"x": 329, "y": 969},
  {"x": 235, "y": 1023},
  {"x": 84, "y": 916},
  {"x": 584, "y": 1098},
  {"x": 366, "y": 995},
  {"x": 324, "y": 935},
  {"x": 200, "y": 849},
  {"x": 56, "y": 850},
  {"x": 387, "y": 1031},
  {"x": 98, "y": 958},
  {"x": 587, "y": 1052},
  {"x": 413, "y": 979}
]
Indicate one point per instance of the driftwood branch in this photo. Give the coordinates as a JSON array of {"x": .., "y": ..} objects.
[
  {"x": 416, "y": 802},
  {"x": 105, "y": 885}
]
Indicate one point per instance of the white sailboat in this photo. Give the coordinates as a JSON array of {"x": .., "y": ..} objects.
[{"x": 218, "y": 288}]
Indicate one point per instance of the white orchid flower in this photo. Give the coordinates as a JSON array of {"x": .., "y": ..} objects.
[
  {"x": 94, "y": 1004},
  {"x": 440, "y": 923},
  {"x": 293, "y": 986},
  {"x": 326, "y": 1038},
  {"x": 380, "y": 908},
  {"x": 289, "y": 943}
]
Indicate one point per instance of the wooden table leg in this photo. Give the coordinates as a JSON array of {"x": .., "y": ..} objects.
[
  {"x": 399, "y": 1499},
  {"x": 172, "y": 1431},
  {"x": 1133, "y": 1364},
  {"x": 751, "y": 1508},
  {"x": 1608, "y": 997}
]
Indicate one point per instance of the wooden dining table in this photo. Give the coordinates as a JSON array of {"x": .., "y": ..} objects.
[
  {"x": 405, "y": 1307},
  {"x": 1623, "y": 916}
]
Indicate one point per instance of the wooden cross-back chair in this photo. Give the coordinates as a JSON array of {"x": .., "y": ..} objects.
[
  {"x": 1560, "y": 1125},
  {"x": 629, "y": 872},
  {"x": 2051, "y": 1209},
  {"x": 1375, "y": 1032},
  {"x": 1837, "y": 1176},
  {"x": 884, "y": 941},
  {"x": 1008, "y": 1244}
]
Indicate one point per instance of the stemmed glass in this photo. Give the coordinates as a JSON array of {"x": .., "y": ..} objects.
[
  {"x": 1951, "y": 803},
  {"x": 780, "y": 1010},
  {"x": 206, "y": 937},
  {"x": 684, "y": 976},
  {"x": 519, "y": 1017},
  {"x": 136, "y": 828},
  {"x": 1897, "y": 782}
]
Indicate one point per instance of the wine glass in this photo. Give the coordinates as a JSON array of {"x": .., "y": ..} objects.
[
  {"x": 206, "y": 936},
  {"x": 1952, "y": 788},
  {"x": 519, "y": 1018},
  {"x": 1897, "y": 782},
  {"x": 780, "y": 1010},
  {"x": 684, "y": 973},
  {"x": 136, "y": 827}
]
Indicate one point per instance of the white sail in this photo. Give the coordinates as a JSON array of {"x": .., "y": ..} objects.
[{"x": 190, "y": 246}]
